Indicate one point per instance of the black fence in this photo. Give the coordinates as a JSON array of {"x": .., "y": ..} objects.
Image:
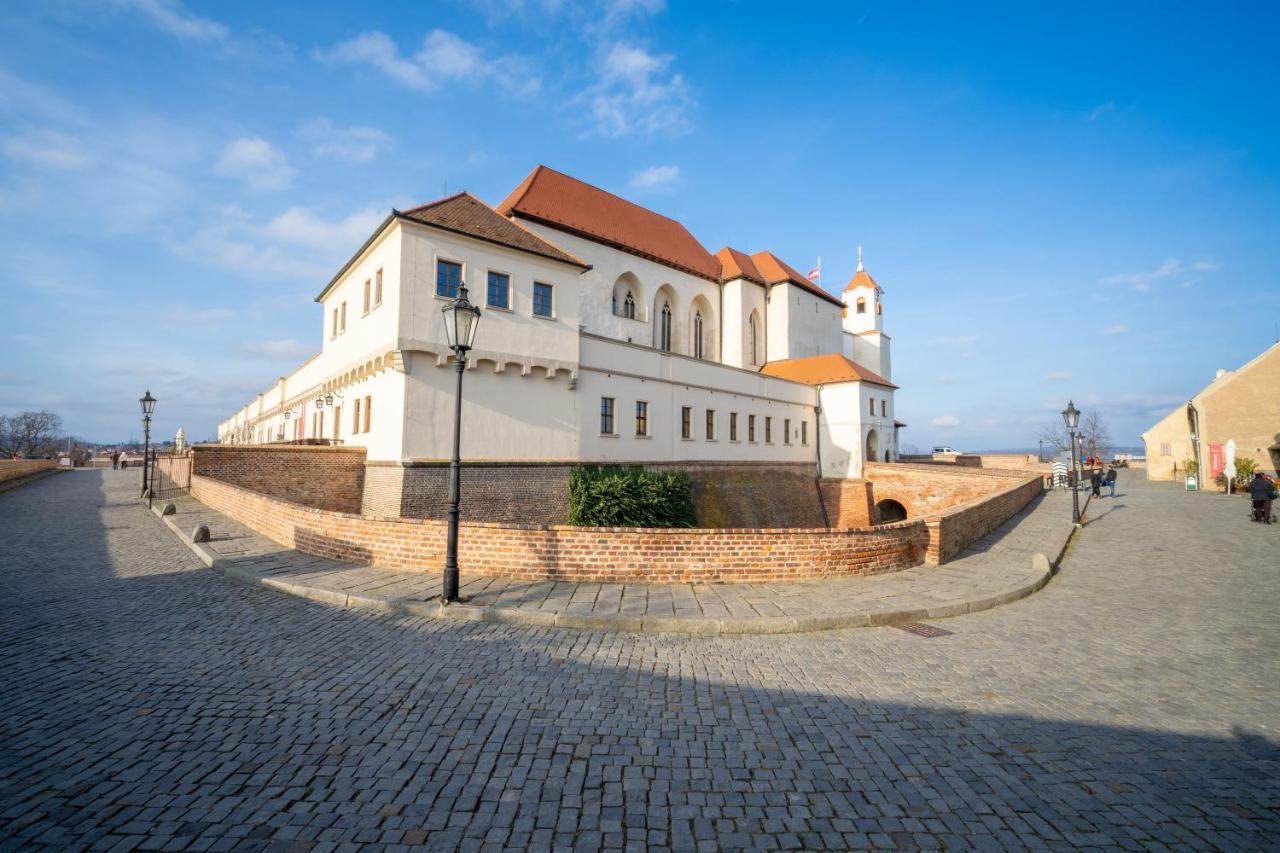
[{"x": 170, "y": 476}]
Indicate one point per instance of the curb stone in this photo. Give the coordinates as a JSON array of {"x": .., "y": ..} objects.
[{"x": 1043, "y": 569}]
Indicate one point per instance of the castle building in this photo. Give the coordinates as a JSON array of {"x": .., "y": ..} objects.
[{"x": 608, "y": 334}]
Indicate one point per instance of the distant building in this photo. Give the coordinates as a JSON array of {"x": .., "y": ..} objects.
[
  {"x": 1240, "y": 405},
  {"x": 608, "y": 334}
]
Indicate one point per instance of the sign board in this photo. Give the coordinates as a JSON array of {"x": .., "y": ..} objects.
[
  {"x": 1192, "y": 485},
  {"x": 1217, "y": 460}
]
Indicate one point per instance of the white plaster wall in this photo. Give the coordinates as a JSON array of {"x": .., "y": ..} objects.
[
  {"x": 777, "y": 313},
  {"x": 516, "y": 332},
  {"x": 741, "y": 297},
  {"x": 365, "y": 333},
  {"x": 608, "y": 264},
  {"x": 855, "y": 322},
  {"x": 813, "y": 324},
  {"x": 845, "y": 423}
]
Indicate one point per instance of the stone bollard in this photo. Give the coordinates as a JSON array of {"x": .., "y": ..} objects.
[
  {"x": 200, "y": 534},
  {"x": 169, "y": 509}
]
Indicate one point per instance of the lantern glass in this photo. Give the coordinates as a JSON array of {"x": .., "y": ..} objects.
[
  {"x": 148, "y": 403},
  {"x": 1071, "y": 415},
  {"x": 461, "y": 320},
  {"x": 328, "y": 399},
  {"x": 319, "y": 402}
]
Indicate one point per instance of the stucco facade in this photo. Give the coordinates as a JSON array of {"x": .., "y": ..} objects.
[{"x": 597, "y": 347}]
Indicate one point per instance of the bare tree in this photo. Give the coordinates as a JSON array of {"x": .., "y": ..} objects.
[
  {"x": 30, "y": 433},
  {"x": 1055, "y": 436},
  {"x": 1095, "y": 436}
]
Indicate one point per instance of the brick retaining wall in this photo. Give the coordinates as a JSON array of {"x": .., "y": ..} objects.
[
  {"x": 954, "y": 529},
  {"x": 557, "y": 552},
  {"x": 316, "y": 476},
  {"x": 925, "y": 489},
  {"x": 12, "y": 469}
]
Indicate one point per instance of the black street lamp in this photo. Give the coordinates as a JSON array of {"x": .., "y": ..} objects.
[
  {"x": 148, "y": 404},
  {"x": 1071, "y": 417},
  {"x": 461, "y": 319}
]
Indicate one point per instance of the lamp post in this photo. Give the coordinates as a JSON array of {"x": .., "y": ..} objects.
[
  {"x": 461, "y": 319},
  {"x": 1071, "y": 417},
  {"x": 148, "y": 404}
]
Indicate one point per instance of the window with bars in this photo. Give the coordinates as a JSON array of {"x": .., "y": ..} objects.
[
  {"x": 711, "y": 425},
  {"x": 733, "y": 426},
  {"x": 751, "y": 428}
]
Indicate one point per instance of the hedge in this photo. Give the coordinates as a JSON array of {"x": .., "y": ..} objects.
[{"x": 618, "y": 496}]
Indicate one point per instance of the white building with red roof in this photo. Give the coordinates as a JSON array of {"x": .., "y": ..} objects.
[{"x": 609, "y": 333}]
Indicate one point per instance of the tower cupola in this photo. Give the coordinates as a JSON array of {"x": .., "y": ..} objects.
[{"x": 863, "y": 302}]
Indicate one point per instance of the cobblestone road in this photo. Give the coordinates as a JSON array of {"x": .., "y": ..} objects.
[{"x": 148, "y": 702}]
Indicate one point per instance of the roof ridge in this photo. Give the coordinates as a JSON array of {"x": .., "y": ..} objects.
[
  {"x": 438, "y": 201},
  {"x": 538, "y": 236},
  {"x": 621, "y": 199}
]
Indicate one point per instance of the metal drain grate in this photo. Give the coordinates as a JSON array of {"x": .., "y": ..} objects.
[{"x": 922, "y": 630}]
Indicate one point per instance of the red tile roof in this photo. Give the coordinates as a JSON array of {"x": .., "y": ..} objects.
[
  {"x": 735, "y": 264},
  {"x": 776, "y": 271},
  {"x": 463, "y": 213},
  {"x": 861, "y": 279},
  {"x": 557, "y": 200},
  {"x": 823, "y": 370}
]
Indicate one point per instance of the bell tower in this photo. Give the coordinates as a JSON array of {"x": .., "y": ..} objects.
[{"x": 864, "y": 339}]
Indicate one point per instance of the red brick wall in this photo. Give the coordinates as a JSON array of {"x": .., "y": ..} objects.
[
  {"x": 954, "y": 529},
  {"x": 849, "y": 502},
  {"x": 12, "y": 469},
  {"x": 316, "y": 476},
  {"x": 925, "y": 489},
  {"x": 576, "y": 553}
]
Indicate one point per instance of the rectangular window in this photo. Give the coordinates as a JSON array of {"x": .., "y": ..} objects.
[
  {"x": 368, "y": 292},
  {"x": 319, "y": 424},
  {"x": 733, "y": 426},
  {"x": 1165, "y": 450},
  {"x": 368, "y": 412},
  {"x": 884, "y": 408},
  {"x": 499, "y": 290},
  {"x": 804, "y": 432},
  {"x": 642, "y": 417},
  {"x": 342, "y": 325},
  {"x": 606, "y": 416},
  {"x": 871, "y": 404},
  {"x": 711, "y": 424},
  {"x": 334, "y": 332},
  {"x": 768, "y": 430},
  {"x": 786, "y": 431},
  {"x": 686, "y": 427},
  {"x": 355, "y": 420},
  {"x": 377, "y": 289},
  {"x": 448, "y": 279},
  {"x": 541, "y": 299},
  {"x": 337, "y": 422},
  {"x": 751, "y": 428}
]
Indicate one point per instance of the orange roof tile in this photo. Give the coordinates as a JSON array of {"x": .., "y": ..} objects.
[
  {"x": 776, "y": 271},
  {"x": 735, "y": 264},
  {"x": 555, "y": 199},
  {"x": 861, "y": 279},
  {"x": 823, "y": 370},
  {"x": 466, "y": 214}
]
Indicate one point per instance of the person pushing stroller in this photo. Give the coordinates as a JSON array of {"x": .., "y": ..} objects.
[{"x": 1262, "y": 491}]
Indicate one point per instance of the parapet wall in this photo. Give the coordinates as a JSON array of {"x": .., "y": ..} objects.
[
  {"x": 955, "y": 529},
  {"x": 12, "y": 469},
  {"x": 926, "y": 489},
  {"x": 588, "y": 554},
  {"x": 316, "y": 476}
]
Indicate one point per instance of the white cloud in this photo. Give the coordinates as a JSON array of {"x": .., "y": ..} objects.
[
  {"x": 256, "y": 162},
  {"x": 1204, "y": 266},
  {"x": 233, "y": 243},
  {"x": 635, "y": 93},
  {"x": 444, "y": 57},
  {"x": 353, "y": 144},
  {"x": 1142, "y": 282},
  {"x": 303, "y": 227},
  {"x": 655, "y": 178},
  {"x": 945, "y": 422},
  {"x": 276, "y": 350},
  {"x": 46, "y": 147},
  {"x": 170, "y": 16},
  {"x": 1058, "y": 376},
  {"x": 1115, "y": 329}
]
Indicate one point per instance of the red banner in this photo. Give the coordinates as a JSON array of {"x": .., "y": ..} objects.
[{"x": 1217, "y": 460}]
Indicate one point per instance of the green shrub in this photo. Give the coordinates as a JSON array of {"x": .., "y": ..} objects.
[
  {"x": 618, "y": 496},
  {"x": 1244, "y": 473}
]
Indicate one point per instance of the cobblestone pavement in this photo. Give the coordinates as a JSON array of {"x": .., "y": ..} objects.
[
  {"x": 148, "y": 703},
  {"x": 997, "y": 569}
]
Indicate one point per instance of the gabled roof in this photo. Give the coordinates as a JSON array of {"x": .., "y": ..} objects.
[
  {"x": 735, "y": 264},
  {"x": 777, "y": 271},
  {"x": 823, "y": 370},
  {"x": 555, "y": 199},
  {"x": 463, "y": 213},
  {"x": 862, "y": 279}
]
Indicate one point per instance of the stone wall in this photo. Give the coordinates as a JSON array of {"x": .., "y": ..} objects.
[
  {"x": 557, "y": 552},
  {"x": 12, "y": 469},
  {"x": 955, "y": 529},
  {"x": 311, "y": 475}
]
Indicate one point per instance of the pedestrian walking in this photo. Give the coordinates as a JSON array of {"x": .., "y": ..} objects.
[
  {"x": 115, "y": 459},
  {"x": 1095, "y": 480},
  {"x": 124, "y": 459},
  {"x": 1111, "y": 480},
  {"x": 1262, "y": 491}
]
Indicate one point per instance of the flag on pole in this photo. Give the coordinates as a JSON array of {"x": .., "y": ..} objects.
[{"x": 815, "y": 274}]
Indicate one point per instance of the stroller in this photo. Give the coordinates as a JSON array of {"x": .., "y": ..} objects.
[{"x": 1262, "y": 506}]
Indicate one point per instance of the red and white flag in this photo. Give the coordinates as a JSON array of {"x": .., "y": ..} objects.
[{"x": 815, "y": 274}]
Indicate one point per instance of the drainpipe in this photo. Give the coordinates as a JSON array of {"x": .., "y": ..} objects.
[{"x": 817, "y": 444}]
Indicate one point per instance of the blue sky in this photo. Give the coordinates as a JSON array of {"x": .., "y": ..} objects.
[{"x": 1060, "y": 203}]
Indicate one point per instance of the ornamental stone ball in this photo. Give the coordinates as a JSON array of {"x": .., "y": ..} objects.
[
  {"x": 169, "y": 509},
  {"x": 200, "y": 534}
]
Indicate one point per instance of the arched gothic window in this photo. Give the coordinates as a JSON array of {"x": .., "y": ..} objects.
[
  {"x": 862, "y": 305},
  {"x": 664, "y": 331},
  {"x": 629, "y": 306},
  {"x": 755, "y": 351},
  {"x": 697, "y": 335}
]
